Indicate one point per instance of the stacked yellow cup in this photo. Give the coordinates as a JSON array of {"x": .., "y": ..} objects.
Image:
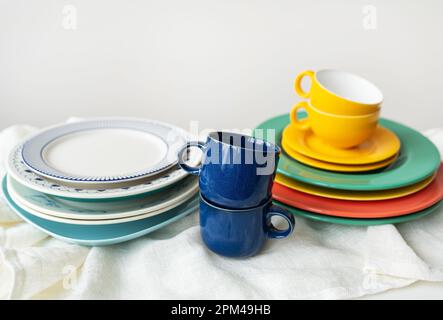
[{"x": 343, "y": 109}]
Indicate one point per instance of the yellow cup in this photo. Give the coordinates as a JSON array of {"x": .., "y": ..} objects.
[
  {"x": 338, "y": 131},
  {"x": 340, "y": 92}
]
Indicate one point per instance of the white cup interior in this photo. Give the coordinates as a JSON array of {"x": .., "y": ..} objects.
[{"x": 349, "y": 86}]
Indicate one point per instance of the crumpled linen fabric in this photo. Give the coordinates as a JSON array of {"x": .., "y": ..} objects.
[{"x": 318, "y": 261}]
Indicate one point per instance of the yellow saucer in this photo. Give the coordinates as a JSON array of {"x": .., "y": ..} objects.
[
  {"x": 382, "y": 145},
  {"x": 352, "y": 195},
  {"x": 334, "y": 166}
]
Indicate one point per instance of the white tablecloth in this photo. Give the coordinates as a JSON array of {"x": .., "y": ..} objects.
[{"x": 319, "y": 261}]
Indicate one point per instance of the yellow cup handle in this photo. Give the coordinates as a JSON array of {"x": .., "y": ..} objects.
[
  {"x": 298, "y": 80},
  {"x": 300, "y": 124}
]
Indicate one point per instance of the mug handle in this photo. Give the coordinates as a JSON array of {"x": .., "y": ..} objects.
[
  {"x": 298, "y": 80},
  {"x": 303, "y": 124},
  {"x": 273, "y": 232},
  {"x": 181, "y": 161}
]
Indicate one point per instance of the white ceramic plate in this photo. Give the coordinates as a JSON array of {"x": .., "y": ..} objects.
[
  {"x": 21, "y": 173},
  {"x": 101, "y": 235},
  {"x": 104, "y": 150},
  {"x": 103, "y": 212}
]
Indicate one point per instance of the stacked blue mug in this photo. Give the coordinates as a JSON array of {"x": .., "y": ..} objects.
[{"x": 235, "y": 176}]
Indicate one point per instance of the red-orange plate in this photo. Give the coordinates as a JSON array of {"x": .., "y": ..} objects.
[{"x": 363, "y": 209}]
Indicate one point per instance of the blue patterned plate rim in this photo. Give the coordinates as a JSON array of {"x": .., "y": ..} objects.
[
  {"x": 71, "y": 211},
  {"x": 33, "y": 148},
  {"x": 16, "y": 168},
  {"x": 100, "y": 235}
]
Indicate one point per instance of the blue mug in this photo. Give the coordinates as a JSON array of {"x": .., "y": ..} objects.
[
  {"x": 236, "y": 171},
  {"x": 240, "y": 233}
]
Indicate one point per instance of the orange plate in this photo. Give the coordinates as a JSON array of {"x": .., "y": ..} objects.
[{"x": 363, "y": 209}]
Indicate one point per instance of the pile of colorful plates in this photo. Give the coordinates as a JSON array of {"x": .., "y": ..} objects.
[
  {"x": 382, "y": 181},
  {"x": 101, "y": 182}
]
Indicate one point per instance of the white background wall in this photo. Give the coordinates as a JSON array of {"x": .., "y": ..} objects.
[{"x": 228, "y": 64}]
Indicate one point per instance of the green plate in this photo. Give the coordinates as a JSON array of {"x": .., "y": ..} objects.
[
  {"x": 360, "y": 222},
  {"x": 418, "y": 159}
]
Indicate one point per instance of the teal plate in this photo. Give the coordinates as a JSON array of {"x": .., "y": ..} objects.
[
  {"x": 418, "y": 159},
  {"x": 360, "y": 222},
  {"x": 100, "y": 235}
]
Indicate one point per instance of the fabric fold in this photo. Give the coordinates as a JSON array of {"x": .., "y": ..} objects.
[{"x": 319, "y": 261}]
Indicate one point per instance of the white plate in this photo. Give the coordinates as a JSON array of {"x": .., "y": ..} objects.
[
  {"x": 101, "y": 235},
  {"x": 103, "y": 212},
  {"x": 21, "y": 173},
  {"x": 104, "y": 150}
]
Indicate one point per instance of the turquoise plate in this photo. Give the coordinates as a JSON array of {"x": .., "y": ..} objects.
[
  {"x": 360, "y": 222},
  {"x": 100, "y": 235},
  {"x": 418, "y": 159}
]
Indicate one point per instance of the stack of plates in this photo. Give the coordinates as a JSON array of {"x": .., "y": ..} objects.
[
  {"x": 373, "y": 184},
  {"x": 101, "y": 182},
  {"x": 377, "y": 152}
]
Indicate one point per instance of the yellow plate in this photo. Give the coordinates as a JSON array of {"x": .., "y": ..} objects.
[
  {"x": 335, "y": 166},
  {"x": 352, "y": 195},
  {"x": 382, "y": 145}
]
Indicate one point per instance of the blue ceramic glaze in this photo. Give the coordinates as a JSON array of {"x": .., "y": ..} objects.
[
  {"x": 240, "y": 233},
  {"x": 237, "y": 171}
]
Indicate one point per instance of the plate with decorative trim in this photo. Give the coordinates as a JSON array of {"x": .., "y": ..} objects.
[
  {"x": 101, "y": 212},
  {"x": 20, "y": 172},
  {"x": 107, "y": 234},
  {"x": 104, "y": 150}
]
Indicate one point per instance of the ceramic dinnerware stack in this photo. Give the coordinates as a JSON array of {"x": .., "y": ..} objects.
[
  {"x": 236, "y": 174},
  {"x": 342, "y": 164},
  {"x": 100, "y": 182},
  {"x": 339, "y": 129}
]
